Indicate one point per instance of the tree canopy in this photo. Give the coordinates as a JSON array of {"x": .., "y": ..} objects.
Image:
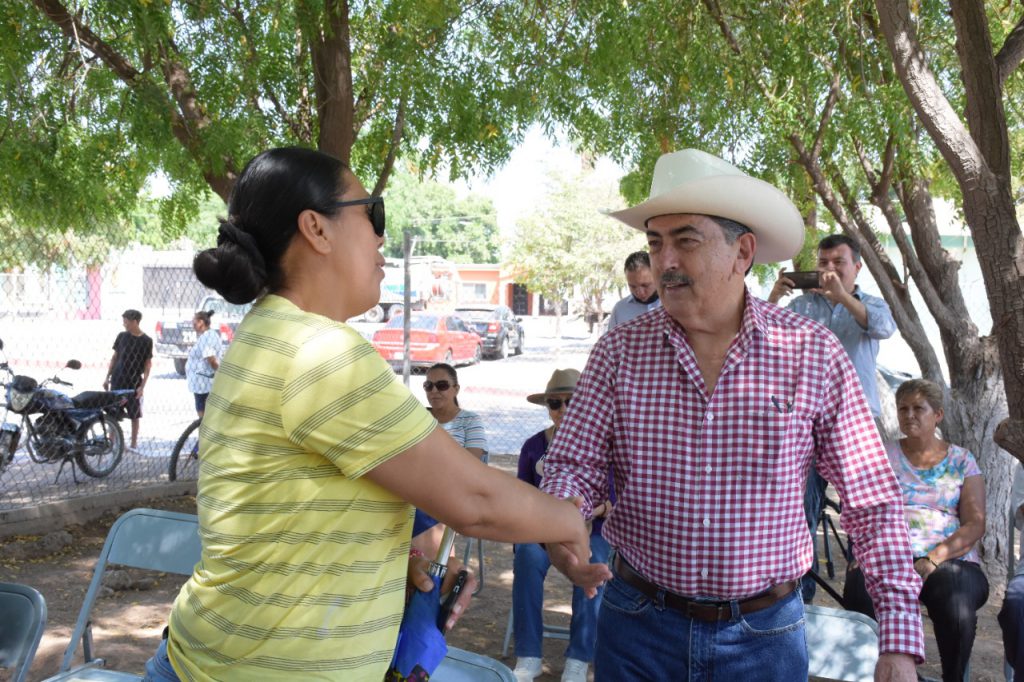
[
  {"x": 98, "y": 95},
  {"x": 463, "y": 230}
]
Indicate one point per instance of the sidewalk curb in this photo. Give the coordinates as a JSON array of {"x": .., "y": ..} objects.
[{"x": 45, "y": 518}]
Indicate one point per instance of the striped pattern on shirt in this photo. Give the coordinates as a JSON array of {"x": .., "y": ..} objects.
[{"x": 304, "y": 562}]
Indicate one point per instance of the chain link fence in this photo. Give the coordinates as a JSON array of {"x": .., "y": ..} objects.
[{"x": 49, "y": 315}]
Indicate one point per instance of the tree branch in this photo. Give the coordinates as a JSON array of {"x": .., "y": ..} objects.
[
  {"x": 1011, "y": 53},
  {"x": 83, "y": 35},
  {"x": 944, "y": 126},
  {"x": 396, "y": 140}
]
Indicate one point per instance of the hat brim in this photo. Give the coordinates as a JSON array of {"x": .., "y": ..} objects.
[
  {"x": 539, "y": 398},
  {"x": 769, "y": 213}
]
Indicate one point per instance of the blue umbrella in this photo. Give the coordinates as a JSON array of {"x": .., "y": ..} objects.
[{"x": 421, "y": 646}]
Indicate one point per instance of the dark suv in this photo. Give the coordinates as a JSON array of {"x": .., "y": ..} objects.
[{"x": 500, "y": 330}]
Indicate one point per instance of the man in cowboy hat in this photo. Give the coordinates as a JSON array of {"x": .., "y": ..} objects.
[{"x": 709, "y": 413}]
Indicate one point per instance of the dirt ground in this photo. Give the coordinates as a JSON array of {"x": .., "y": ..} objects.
[{"x": 128, "y": 623}]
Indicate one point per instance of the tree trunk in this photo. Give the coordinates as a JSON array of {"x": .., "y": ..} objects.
[
  {"x": 976, "y": 407},
  {"x": 332, "y": 72}
]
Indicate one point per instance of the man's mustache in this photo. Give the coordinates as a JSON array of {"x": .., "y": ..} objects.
[{"x": 668, "y": 278}]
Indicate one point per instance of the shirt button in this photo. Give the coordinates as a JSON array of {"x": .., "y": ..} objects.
[
  {"x": 703, "y": 573},
  {"x": 707, "y": 522},
  {"x": 711, "y": 417},
  {"x": 707, "y": 469}
]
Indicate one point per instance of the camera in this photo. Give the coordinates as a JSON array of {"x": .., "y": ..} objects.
[{"x": 809, "y": 279}]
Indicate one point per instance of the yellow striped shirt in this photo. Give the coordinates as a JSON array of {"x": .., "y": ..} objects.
[{"x": 304, "y": 562}]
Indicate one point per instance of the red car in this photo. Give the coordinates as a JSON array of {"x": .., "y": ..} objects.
[{"x": 433, "y": 338}]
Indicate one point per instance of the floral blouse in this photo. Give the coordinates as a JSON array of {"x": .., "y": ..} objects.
[{"x": 931, "y": 497}]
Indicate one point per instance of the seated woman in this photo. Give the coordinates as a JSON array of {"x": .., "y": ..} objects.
[
  {"x": 465, "y": 428},
  {"x": 531, "y": 563},
  {"x": 313, "y": 454},
  {"x": 944, "y": 502}
]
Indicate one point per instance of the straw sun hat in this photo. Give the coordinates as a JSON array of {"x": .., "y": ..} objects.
[{"x": 561, "y": 381}]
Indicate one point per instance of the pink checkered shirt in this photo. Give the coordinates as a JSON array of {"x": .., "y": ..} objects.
[{"x": 710, "y": 488}]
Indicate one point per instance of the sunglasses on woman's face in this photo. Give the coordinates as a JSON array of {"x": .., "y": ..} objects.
[
  {"x": 555, "y": 404},
  {"x": 441, "y": 386},
  {"x": 374, "y": 209}
]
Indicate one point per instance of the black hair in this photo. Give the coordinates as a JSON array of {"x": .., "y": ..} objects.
[
  {"x": 273, "y": 189},
  {"x": 834, "y": 241},
  {"x": 636, "y": 261},
  {"x": 132, "y": 314},
  {"x": 450, "y": 371},
  {"x": 205, "y": 316}
]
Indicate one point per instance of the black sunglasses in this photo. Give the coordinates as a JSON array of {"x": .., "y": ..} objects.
[
  {"x": 374, "y": 209},
  {"x": 556, "y": 403},
  {"x": 441, "y": 386}
]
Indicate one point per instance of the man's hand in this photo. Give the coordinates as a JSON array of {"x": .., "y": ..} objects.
[
  {"x": 895, "y": 668},
  {"x": 421, "y": 580},
  {"x": 783, "y": 287},
  {"x": 832, "y": 288},
  {"x": 589, "y": 576}
]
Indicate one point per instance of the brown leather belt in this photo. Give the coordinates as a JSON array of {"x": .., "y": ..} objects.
[{"x": 710, "y": 611}]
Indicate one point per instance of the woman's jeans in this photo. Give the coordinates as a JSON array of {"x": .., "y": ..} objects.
[
  {"x": 531, "y": 567},
  {"x": 158, "y": 668},
  {"x": 639, "y": 638},
  {"x": 953, "y": 593}
]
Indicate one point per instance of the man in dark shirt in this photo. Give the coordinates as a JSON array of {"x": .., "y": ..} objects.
[{"x": 129, "y": 366}]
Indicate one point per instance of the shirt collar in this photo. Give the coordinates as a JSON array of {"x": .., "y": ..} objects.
[{"x": 753, "y": 322}]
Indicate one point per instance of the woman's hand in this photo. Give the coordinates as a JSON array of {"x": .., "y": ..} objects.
[
  {"x": 925, "y": 567},
  {"x": 419, "y": 578}
]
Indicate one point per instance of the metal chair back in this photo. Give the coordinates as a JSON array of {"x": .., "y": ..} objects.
[{"x": 22, "y": 619}]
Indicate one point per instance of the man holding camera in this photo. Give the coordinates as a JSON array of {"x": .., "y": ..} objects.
[{"x": 857, "y": 319}]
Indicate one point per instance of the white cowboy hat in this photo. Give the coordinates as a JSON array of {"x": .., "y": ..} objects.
[
  {"x": 692, "y": 181},
  {"x": 561, "y": 381}
]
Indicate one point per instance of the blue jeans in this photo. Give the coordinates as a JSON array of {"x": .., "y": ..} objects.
[
  {"x": 639, "y": 638},
  {"x": 531, "y": 567},
  {"x": 1011, "y": 620},
  {"x": 814, "y": 500},
  {"x": 158, "y": 668}
]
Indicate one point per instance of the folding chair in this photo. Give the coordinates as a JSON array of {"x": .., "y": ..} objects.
[
  {"x": 22, "y": 619},
  {"x": 465, "y": 666},
  {"x": 150, "y": 539},
  {"x": 549, "y": 631},
  {"x": 841, "y": 645}
]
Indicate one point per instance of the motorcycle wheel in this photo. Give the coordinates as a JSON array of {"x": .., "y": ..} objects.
[{"x": 100, "y": 446}]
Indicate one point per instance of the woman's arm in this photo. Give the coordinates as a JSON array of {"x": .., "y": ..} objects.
[
  {"x": 972, "y": 522},
  {"x": 479, "y": 501}
]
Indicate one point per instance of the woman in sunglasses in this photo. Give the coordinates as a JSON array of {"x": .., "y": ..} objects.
[
  {"x": 531, "y": 563},
  {"x": 313, "y": 453},
  {"x": 465, "y": 427}
]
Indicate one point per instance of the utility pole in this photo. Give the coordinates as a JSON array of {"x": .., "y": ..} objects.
[{"x": 408, "y": 244}]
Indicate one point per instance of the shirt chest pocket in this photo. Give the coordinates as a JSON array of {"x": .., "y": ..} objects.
[{"x": 765, "y": 444}]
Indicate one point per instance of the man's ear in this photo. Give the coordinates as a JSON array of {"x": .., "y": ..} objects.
[
  {"x": 747, "y": 246},
  {"x": 312, "y": 228}
]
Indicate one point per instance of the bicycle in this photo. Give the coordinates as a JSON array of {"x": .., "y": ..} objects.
[{"x": 184, "y": 464}]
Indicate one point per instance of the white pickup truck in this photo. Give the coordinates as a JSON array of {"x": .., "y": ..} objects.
[{"x": 175, "y": 338}]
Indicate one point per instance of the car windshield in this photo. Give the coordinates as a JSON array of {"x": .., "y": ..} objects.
[
  {"x": 427, "y": 322},
  {"x": 470, "y": 314}
]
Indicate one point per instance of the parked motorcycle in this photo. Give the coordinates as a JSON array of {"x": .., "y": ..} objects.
[{"x": 83, "y": 429}]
